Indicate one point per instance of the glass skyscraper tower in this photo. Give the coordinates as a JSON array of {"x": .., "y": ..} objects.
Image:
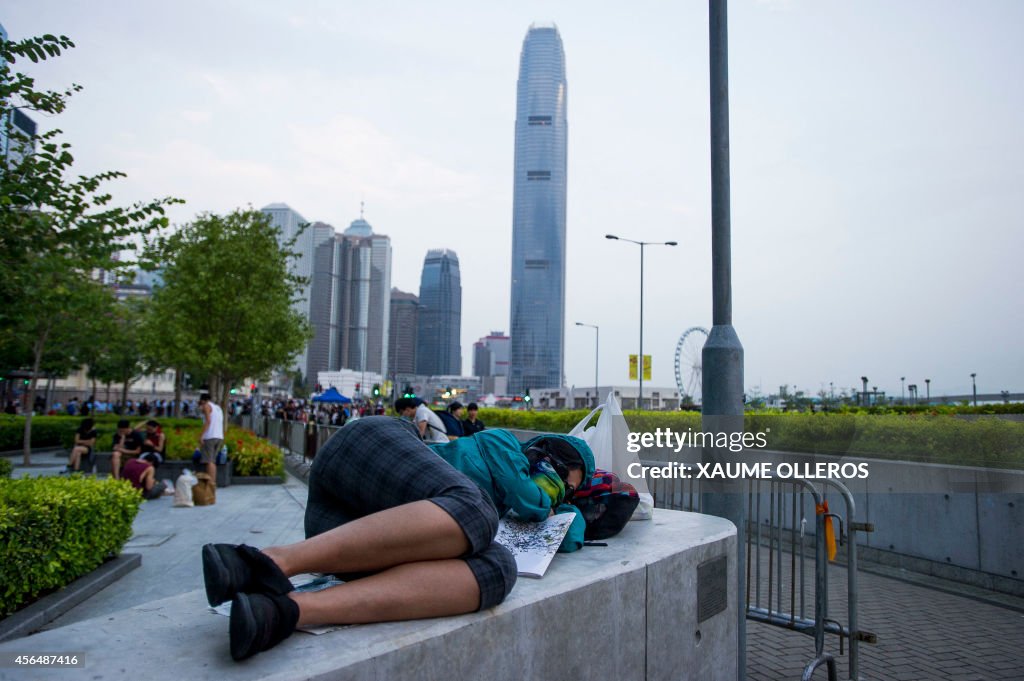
[
  {"x": 438, "y": 345},
  {"x": 537, "y": 352}
]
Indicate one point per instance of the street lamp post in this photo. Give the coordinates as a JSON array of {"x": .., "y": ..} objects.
[
  {"x": 928, "y": 390},
  {"x": 597, "y": 349},
  {"x": 902, "y": 378},
  {"x": 864, "y": 393},
  {"x": 974, "y": 389},
  {"x": 640, "y": 358}
]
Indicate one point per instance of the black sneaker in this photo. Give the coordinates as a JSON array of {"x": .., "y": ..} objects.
[
  {"x": 230, "y": 569},
  {"x": 260, "y": 622}
]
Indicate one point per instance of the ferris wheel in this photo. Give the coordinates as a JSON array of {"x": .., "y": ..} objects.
[{"x": 688, "y": 362}]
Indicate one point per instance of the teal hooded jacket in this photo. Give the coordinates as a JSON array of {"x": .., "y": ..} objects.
[{"x": 495, "y": 461}]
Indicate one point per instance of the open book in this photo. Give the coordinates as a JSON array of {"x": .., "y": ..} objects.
[{"x": 533, "y": 544}]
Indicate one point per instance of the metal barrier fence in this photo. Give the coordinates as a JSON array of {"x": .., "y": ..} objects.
[{"x": 777, "y": 572}]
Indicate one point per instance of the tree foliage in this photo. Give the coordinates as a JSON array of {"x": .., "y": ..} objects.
[
  {"x": 56, "y": 229},
  {"x": 225, "y": 311}
]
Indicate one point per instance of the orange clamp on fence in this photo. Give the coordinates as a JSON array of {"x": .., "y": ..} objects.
[{"x": 830, "y": 534}]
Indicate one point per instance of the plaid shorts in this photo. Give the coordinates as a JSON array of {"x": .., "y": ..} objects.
[{"x": 379, "y": 462}]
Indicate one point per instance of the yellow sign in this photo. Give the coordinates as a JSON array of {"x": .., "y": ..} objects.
[{"x": 632, "y": 367}]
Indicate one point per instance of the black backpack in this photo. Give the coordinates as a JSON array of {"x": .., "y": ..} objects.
[{"x": 452, "y": 426}]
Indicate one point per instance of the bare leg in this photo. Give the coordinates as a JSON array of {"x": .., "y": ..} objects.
[
  {"x": 76, "y": 455},
  {"x": 410, "y": 533},
  {"x": 211, "y": 470},
  {"x": 115, "y": 464},
  {"x": 434, "y": 588}
]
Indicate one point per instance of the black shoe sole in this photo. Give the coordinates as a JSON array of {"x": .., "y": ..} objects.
[
  {"x": 243, "y": 628},
  {"x": 216, "y": 576}
]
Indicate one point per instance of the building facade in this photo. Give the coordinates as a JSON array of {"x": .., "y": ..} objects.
[
  {"x": 537, "y": 329},
  {"x": 405, "y": 314},
  {"x": 350, "y": 300},
  {"x": 438, "y": 345},
  {"x": 290, "y": 222}
]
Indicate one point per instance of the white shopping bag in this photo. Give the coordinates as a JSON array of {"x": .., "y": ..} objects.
[
  {"x": 183, "y": 489},
  {"x": 608, "y": 440}
]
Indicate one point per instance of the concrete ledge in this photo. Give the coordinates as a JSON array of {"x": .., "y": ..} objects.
[
  {"x": 257, "y": 480},
  {"x": 52, "y": 606},
  {"x": 635, "y": 599},
  {"x": 171, "y": 469}
]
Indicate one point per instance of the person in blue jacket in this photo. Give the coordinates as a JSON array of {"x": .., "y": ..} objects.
[
  {"x": 526, "y": 478},
  {"x": 409, "y": 527}
]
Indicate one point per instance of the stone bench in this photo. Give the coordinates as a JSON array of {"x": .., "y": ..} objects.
[
  {"x": 658, "y": 602},
  {"x": 170, "y": 470}
]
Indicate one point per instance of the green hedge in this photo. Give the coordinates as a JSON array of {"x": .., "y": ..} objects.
[
  {"x": 59, "y": 431},
  {"x": 5, "y": 468},
  {"x": 939, "y": 438},
  {"x": 54, "y": 530}
]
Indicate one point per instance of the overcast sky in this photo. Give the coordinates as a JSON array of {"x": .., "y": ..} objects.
[{"x": 876, "y": 160}]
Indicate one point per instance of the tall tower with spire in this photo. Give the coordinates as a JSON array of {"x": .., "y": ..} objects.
[{"x": 537, "y": 349}]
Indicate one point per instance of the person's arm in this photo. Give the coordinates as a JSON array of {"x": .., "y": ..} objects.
[
  {"x": 573, "y": 540},
  {"x": 161, "y": 442},
  {"x": 511, "y": 473},
  {"x": 422, "y": 426},
  {"x": 205, "y": 410}
]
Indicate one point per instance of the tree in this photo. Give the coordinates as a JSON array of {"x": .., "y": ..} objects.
[
  {"x": 123, "y": 360},
  {"x": 55, "y": 231},
  {"x": 226, "y": 306}
]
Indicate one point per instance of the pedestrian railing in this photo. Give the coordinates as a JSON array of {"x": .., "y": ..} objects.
[{"x": 782, "y": 590}]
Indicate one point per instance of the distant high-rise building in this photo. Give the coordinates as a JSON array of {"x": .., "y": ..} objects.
[
  {"x": 364, "y": 300},
  {"x": 16, "y": 130},
  {"x": 290, "y": 223},
  {"x": 438, "y": 347},
  {"x": 351, "y": 300},
  {"x": 537, "y": 350},
  {"x": 405, "y": 314},
  {"x": 490, "y": 355},
  {"x": 323, "y": 313}
]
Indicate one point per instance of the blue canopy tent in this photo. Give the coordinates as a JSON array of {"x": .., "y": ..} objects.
[{"x": 332, "y": 396}]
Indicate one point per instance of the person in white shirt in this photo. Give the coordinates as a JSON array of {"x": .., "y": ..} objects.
[
  {"x": 212, "y": 438},
  {"x": 429, "y": 425}
]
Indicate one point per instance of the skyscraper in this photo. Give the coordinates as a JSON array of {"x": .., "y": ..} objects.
[
  {"x": 290, "y": 222},
  {"x": 405, "y": 314},
  {"x": 364, "y": 300},
  {"x": 438, "y": 346},
  {"x": 537, "y": 352}
]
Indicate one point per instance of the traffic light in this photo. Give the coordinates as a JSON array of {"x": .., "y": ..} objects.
[
  {"x": 376, "y": 389},
  {"x": 526, "y": 397},
  {"x": 252, "y": 387},
  {"x": 357, "y": 387}
]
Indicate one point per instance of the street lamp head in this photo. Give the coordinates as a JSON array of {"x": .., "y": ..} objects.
[
  {"x": 579, "y": 323},
  {"x": 671, "y": 243},
  {"x": 610, "y": 236}
]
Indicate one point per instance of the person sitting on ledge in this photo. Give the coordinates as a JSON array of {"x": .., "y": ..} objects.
[
  {"x": 410, "y": 531},
  {"x": 85, "y": 440},
  {"x": 127, "y": 443},
  {"x": 154, "y": 442}
]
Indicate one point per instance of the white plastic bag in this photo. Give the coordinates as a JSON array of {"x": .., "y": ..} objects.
[
  {"x": 608, "y": 440},
  {"x": 183, "y": 489}
]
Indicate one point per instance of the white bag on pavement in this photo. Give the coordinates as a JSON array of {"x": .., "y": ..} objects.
[
  {"x": 608, "y": 440},
  {"x": 183, "y": 489}
]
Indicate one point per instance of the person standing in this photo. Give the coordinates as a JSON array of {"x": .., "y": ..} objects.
[{"x": 212, "y": 438}]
